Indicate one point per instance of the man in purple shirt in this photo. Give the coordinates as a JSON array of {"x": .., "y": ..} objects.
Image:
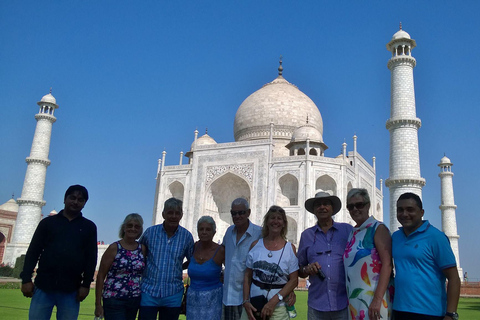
[{"x": 320, "y": 256}]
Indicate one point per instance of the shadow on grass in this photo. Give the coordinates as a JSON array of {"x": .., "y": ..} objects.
[
  {"x": 14, "y": 308},
  {"x": 471, "y": 306}
]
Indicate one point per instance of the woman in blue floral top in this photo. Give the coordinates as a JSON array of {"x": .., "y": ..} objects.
[{"x": 118, "y": 278}]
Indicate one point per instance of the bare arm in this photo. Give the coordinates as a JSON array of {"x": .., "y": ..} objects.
[
  {"x": 383, "y": 244},
  {"x": 247, "y": 283},
  {"x": 453, "y": 289},
  {"x": 219, "y": 258},
  {"x": 105, "y": 264}
]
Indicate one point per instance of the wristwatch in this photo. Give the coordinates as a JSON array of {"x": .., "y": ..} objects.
[
  {"x": 280, "y": 297},
  {"x": 452, "y": 315}
]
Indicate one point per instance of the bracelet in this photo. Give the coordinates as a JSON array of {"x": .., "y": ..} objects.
[{"x": 246, "y": 300}]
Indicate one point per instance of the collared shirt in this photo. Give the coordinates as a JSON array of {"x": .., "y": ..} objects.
[
  {"x": 326, "y": 249},
  {"x": 163, "y": 273},
  {"x": 420, "y": 259},
  {"x": 235, "y": 258},
  {"x": 66, "y": 252}
]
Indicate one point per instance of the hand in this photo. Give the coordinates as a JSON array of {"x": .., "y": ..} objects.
[
  {"x": 99, "y": 311},
  {"x": 374, "y": 308},
  {"x": 27, "y": 289},
  {"x": 82, "y": 293},
  {"x": 312, "y": 268},
  {"x": 267, "y": 310},
  {"x": 291, "y": 299},
  {"x": 250, "y": 309}
]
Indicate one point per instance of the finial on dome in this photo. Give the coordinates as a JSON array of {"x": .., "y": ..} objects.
[
  {"x": 206, "y": 130},
  {"x": 400, "y": 25},
  {"x": 280, "y": 68},
  {"x": 50, "y": 90},
  {"x": 13, "y": 195}
]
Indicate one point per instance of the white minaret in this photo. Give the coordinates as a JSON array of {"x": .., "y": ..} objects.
[
  {"x": 403, "y": 124},
  {"x": 31, "y": 201},
  {"x": 449, "y": 222}
]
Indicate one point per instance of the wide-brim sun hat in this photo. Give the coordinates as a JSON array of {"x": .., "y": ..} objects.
[{"x": 336, "y": 203}]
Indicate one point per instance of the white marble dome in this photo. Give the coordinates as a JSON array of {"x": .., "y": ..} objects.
[
  {"x": 305, "y": 132},
  {"x": 278, "y": 102},
  {"x": 49, "y": 98},
  {"x": 10, "y": 205},
  {"x": 400, "y": 34},
  {"x": 204, "y": 140},
  {"x": 445, "y": 160}
]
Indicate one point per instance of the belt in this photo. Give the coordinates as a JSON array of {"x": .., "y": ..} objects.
[{"x": 267, "y": 286}]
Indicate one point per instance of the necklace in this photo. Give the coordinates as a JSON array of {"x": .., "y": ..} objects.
[{"x": 274, "y": 245}]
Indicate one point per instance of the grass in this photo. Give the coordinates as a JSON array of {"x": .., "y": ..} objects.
[{"x": 13, "y": 306}]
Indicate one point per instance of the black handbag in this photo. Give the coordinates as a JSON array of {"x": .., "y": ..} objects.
[{"x": 258, "y": 302}]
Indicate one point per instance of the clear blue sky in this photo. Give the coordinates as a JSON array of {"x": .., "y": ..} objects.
[{"x": 135, "y": 78}]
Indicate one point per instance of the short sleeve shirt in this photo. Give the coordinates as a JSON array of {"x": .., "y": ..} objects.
[
  {"x": 235, "y": 257},
  {"x": 327, "y": 249},
  {"x": 419, "y": 261},
  {"x": 163, "y": 271}
]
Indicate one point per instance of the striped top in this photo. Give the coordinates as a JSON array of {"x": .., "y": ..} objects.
[{"x": 163, "y": 272}]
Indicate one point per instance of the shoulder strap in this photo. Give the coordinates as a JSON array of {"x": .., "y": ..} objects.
[
  {"x": 216, "y": 251},
  {"x": 273, "y": 275}
]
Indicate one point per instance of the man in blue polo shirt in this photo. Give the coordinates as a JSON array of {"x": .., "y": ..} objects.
[
  {"x": 423, "y": 261},
  {"x": 167, "y": 244}
]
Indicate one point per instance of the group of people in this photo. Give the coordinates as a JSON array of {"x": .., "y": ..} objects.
[{"x": 350, "y": 269}]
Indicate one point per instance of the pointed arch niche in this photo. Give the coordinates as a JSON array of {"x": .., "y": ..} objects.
[
  {"x": 349, "y": 187},
  {"x": 219, "y": 197},
  {"x": 326, "y": 183},
  {"x": 292, "y": 230},
  {"x": 289, "y": 189},
  {"x": 176, "y": 190},
  {"x": 379, "y": 213}
]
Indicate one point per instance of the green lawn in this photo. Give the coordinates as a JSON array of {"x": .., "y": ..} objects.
[{"x": 13, "y": 306}]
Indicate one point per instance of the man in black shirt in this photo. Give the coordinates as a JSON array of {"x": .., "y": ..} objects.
[{"x": 65, "y": 247}]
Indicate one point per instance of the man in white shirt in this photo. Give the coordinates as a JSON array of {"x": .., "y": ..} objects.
[{"x": 237, "y": 241}]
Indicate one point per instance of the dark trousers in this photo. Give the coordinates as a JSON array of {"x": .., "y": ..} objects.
[
  {"x": 400, "y": 315},
  {"x": 121, "y": 309},
  {"x": 164, "y": 313}
]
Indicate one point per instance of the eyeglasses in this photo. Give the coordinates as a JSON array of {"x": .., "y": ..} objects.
[
  {"x": 358, "y": 205},
  {"x": 240, "y": 213}
]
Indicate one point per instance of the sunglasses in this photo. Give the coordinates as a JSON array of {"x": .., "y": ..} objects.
[
  {"x": 239, "y": 213},
  {"x": 358, "y": 205},
  {"x": 277, "y": 210}
]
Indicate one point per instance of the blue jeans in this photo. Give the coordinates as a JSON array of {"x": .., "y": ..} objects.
[
  {"x": 121, "y": 308},
  {"x": 43, "y": 302},
  {"x": 167, "y": 308}
]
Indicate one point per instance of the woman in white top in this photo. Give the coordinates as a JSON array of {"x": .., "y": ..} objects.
[{"x": 272, "y": 268}]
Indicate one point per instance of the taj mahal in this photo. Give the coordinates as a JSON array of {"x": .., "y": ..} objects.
[{"x": 278, "y": 157}]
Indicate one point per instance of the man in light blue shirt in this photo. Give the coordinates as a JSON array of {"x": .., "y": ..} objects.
[
  {"x": 237, "y": 241},
  {"x": 167, "y": 245},
  {"x": 423, "y": 261}
]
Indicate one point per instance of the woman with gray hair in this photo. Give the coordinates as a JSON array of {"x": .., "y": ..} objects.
[
  {"x": 368, "y": 262},
  {"x": 118, "y": 278},
  {"x": 204, "y": 296}
]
